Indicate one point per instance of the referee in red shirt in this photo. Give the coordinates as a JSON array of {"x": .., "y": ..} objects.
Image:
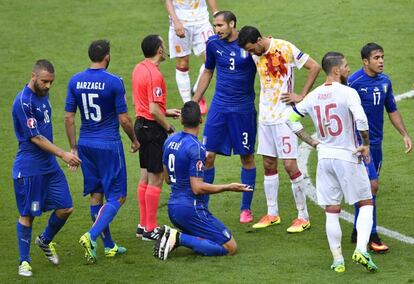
[{"x": 151, "y": 129}]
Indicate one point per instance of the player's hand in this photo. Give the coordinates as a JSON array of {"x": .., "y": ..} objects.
[
  {"x": 315, "y": 143},
  {"x": 174, "y": 113},
  {"x": 179, "y": 29},
  {"x": 363, "y": 152},
  {"x": 408, "y": 144},
  {"x": 134, "y": 146},
  {"x": 75, "y": 152},
  {"x": 239, "y": 187},
  {"x": 71, "y": 159},
  {"x": 291, "y": 98}
]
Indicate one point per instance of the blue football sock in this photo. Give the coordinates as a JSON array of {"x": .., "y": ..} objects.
[
  {"x": 248, "y": 176},
  {"x": 202, "y": 246},
  {"x": 105, "y": 217},
  {"x": 53, "y": 227},
  {"x": 24, "y": 237},
  {"x": 356, "y": 206},
  {"x": 374, "y": 215},
  {"x": 106, "y": 234}
]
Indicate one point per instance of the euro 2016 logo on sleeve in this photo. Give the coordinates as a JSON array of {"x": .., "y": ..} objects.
[
  {"x": 157, "y": 92},
  {"x": 31, "y": 123},
  {"x": 199, "y": 166}
]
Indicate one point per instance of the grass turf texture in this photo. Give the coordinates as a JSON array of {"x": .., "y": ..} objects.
[{"x": 62, "y": 30}]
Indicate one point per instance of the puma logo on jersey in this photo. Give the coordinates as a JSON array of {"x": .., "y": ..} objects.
[
  {"x": 364, "y": 89},
  {"x": 220, "y": 52}
]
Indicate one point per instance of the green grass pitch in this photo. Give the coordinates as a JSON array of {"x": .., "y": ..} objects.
[{"x": 62, "y": 30}]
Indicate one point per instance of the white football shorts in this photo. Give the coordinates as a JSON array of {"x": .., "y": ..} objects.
[
  {"x": 195, "y": 39},
  {"x": 336, "y": 179},
  {"x": 277, "y": 140}
]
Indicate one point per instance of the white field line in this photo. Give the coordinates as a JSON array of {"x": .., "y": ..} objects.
[{"x": 303, "y": 155}]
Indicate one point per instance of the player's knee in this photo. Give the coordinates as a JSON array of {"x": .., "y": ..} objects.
[
  {"x": 248, "y": 161},
  {"x": 182, "y": 63},
  {"x": 333, "y": 209},
  {"x": 374, "y": 187},
  {"x": 26, "y": 221},
  {"x": 64, "y": 213},
  {"x": 291, "y": 167},
  {"x": 269, "y": 164},
  {"x": 210, "y": 160},
  {"x": 365, "y": 202},
  {"x": 231, "y": 247}
]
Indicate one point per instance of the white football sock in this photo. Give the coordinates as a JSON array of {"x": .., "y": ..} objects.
[
  {"x": 200, "y": 72},
  {"x": 271, "y": 188},
  {"x": 183, "y": 84},
  {"x": 298, "y": 190},
  {"x": 364, "y": 226},
  {"x": 334, "y": 235}
]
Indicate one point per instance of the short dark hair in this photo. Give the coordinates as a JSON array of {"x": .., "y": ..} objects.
[
  {"x": 330, "y": 60},
  {"x": 190, "y": 114},
  {"x": 150, "y": 45},
  {"x": 368, "y": 48},
  {"x": 98, "y": 49},
  {"x": 43, "y": 64},
  {"x": 248, "y": 34},
  {"x": 228, "y": 16}
]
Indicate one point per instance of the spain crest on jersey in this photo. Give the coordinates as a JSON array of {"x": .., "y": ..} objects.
[{"x": 31, "y": 123}]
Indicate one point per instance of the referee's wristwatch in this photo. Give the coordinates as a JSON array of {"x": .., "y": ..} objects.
[{"x": 171, "y": 129}]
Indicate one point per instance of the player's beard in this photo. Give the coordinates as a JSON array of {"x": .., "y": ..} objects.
[
  {"x": 38, "y": 90},
  {"x": 344, "y": 80}
]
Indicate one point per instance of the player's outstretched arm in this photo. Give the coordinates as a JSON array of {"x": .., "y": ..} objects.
[
  {"x": 313, "y": 70},
  {"x": 43, "y": 143},
  {"x": 173, "y": 112},
  {"x": 200, "y": 187},
  {"x": 178, "y": 26},
  {"x": 203, "y": 84},
  {"x": 127, "y": 126},
  {"x": 71, "y": 129},
  {"x": 159, "y": 117},
  {"x": 398, "y": 123}
]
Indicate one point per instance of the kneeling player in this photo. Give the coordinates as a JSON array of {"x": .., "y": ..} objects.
[{"x": 183, "y": 161}]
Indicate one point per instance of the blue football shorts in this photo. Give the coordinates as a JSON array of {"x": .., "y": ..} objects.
[
  {"x": 374, "y": 167},
  {"x": 227, "y": 131},
  {"x": 41, "y": 193},
  {"x": 104, "y": 169},
  {"x": 197, "y": 221}
]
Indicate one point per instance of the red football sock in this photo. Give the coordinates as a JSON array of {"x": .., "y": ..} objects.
[
  {"x": 152, "y": 196},
  {"x": 142, "y": 188}
]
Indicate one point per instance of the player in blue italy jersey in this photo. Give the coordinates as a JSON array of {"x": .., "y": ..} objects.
[
  {"x": 231, "y": 120},
  {"x": 183, "y": 160},
  {"x": 100, "y": 97},
  {"x": 39, "y": 183},
  {"x": 375, "y": 91}
]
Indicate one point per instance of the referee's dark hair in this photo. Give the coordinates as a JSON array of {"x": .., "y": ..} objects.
[
  {"x": 150, "y": 45},
  {"x": 98, "y": 50},
  {"x": 330, "y": 60},
  {"x": 190, "y": 115},
  {"x": 368, "y": 48}
]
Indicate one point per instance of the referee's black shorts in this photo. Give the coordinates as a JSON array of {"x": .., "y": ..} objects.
[{"x": 151, "y": 136}]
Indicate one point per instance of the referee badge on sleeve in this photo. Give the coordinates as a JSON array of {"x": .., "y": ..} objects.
[{"x": 157, "y": 91}]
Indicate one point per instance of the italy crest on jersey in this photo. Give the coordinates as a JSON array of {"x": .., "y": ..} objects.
[
  {"x": 243, "y": 53},
  {"x": 385, "y": 87}
]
